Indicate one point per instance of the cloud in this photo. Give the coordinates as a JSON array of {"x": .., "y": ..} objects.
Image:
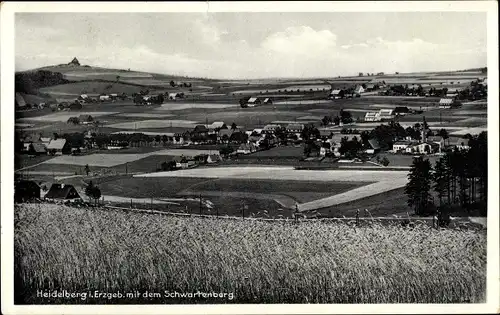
[{"x": 302, "y": 40}]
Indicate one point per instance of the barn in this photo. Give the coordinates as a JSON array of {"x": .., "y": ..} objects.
[{"x": 62, "y": 192}]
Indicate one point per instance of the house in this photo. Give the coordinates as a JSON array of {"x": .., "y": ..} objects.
[
  {"x": 358, "y": 90},
  {"x": 246, "y": 148},
  {"x": 62, "y": 192},
  {"x": 337, "y": 94},
  {"x": 372, "y": 116},
  {"x": 423, "y": 148},
  {"x": 437, "y": 140},
  {"x": 174, "y": 96},
  {"x": 257, "y": 131},
  {"x": 83, "y": 97},
  {"x": 37, "y": 149},
  {"x": 20, "y": 102},
  {"x": 294, "y": 128},
  {"x": 270, "y": 129},
  {"x": 445, "y": 103},
  {"x": 252, "y": 101},
  {"x": 58, "y": 147},
  {"x": 386, "y": 114},
  {"x": 216, "y": 124},
  {"x": 213, "y": 158},
  {"x": 462, "y": 144},
  {"x": 401, "y": 111},
  {"x": 25, "y": 190},
  {"x": 45, "y": 140},
  {"x": 325, "y": 133},
  {"x": 104, "y": 98},
  {"x": 85, "y": 119},
  {"x": 401, "y": 146},
  {"x": 267, "y": 101},
  {"x": 200, "y": 130},
  {"x": 374, "y": 146},
  {"x": 224, "y": 135}
]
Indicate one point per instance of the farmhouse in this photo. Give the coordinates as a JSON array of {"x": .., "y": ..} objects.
[
  {"x": 401, "y": 111},
  {"x": 85, "y": 118},
  {"x": 267, "y": 101},
  {"x": 445, "y": 103},
  {"x": 224, "y": 135},
  {"x": 83, "y": 97},
  {"x": 386, "y": 114},
  {"x": 401, "y": 146},
  {"x": 359, "y": 89},
  {"x": 58, "y": 147},
  {"x": 200, "y": 130},
  {"x": 213, "y": 158},
  {"x": 26, "y": 190},
  {"x": 437, "y": 140},
  {"x": 174, "y": 96},
  {"x": 462, "y": 144},
  {"x": 374, "y": 146},
  {"x": 252, "y": 101},
  {"x": 423, "y": 148},
  {"x": 270, "y": 129},
  {"x": 103, "y": 98},
  {"x": 37, "y": 149},
  {"x": 372, "y": 116},
  {"x": 370, "y": 87},
  {"x": 294, "y": 128},
  {"x": 62, "y": 192},
  {"x": 325, "y": 133},
  {"x": 246, "y": 148},
  {"x": 337, "y": 94}
]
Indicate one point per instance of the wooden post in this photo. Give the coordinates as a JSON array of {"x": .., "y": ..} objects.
[
  {"x": 200, "y": 205},
  {"x": 357, "y": 217},
  {"x": 243, "y": 211},
  {"x": 130, "y": 203}
]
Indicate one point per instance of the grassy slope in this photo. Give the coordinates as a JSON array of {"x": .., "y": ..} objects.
[{"x": 57, "y": 247}]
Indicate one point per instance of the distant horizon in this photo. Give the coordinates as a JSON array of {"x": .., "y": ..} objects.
[
  {"x": 250, "y": 45},
  {"x": 256, "y": 78}
]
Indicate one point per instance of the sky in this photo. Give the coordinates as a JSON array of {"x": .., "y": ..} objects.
[{"x": 254, "y": 45}]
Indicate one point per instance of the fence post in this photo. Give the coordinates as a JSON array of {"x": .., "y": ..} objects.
[
  {"x": 357, "y": 217},
  {"x": 130, "y": 203}
]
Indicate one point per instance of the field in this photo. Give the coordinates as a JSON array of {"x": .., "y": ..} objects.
[
  {"x": 109, "y": 160},
  {"x": 57, "y": 247},
  {"x": 64, "y": 116},
  {"x": 182, "y": 106},
  {"x": 153, "y": 123}
]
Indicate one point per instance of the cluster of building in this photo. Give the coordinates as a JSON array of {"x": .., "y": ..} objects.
[{"x": 254, "y": 101}]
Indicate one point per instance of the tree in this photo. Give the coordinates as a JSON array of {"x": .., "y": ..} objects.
[
  {"x": 87, "y": 169},
  {"x": 74, "y": 120},
  {"x": 336, "y": 120},
  {"x": 172, "y": 83},
  {"x": 92, "y": 191},
  {"x": 444, "y": 134},
  {"x": 234, "y": 126},
  {"x": 418, "y": 187},
  {"x": 325, "y": 121},
  {"x": 440, "y": 180}
]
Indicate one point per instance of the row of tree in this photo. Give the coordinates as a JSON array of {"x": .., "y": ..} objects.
[{"x": 460, "y": 178}]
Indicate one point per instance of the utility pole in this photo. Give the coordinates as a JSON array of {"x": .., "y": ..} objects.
[{"x": 200, "y": 204}]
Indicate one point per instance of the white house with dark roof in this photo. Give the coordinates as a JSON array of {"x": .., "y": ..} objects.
[
  {"x": 58, "y": 146},
  {"x": 295, "y": 128},
  {"x": 372, "y": 116},
  {"x": 270, "y": 129},
  {"x": 252, "y": 101},
  {"x": 337, "y": 94},
  {"x": 445, "y": 103},
  {"x": 386, "y": 113}
]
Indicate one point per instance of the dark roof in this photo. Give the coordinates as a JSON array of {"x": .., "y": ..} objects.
[
  {"x": 85, "y": 117},
  {"x": 200, "y": 128},
  {"x": 62, "y": 191},
  {"x": 26, "y": 189},
  {"x": 39, "y": 147},
  {"x": 374, "y": 144}
]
